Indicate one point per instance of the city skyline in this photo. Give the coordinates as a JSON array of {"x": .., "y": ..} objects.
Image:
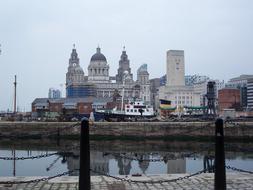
[{"x": 37, "y": 37}]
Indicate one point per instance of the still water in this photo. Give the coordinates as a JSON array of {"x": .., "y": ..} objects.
[{"x": 119, "y": 157}]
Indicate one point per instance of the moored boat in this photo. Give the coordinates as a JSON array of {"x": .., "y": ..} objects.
[{"x": 132, "y": 111}]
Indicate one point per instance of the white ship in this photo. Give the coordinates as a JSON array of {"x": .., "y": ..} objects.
[{"x": 135, "y": 109}]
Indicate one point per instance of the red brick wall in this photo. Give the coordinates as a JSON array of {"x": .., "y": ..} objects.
[
  {"x": 55, "y": 107},
  {"x": 228, "y": 98}
]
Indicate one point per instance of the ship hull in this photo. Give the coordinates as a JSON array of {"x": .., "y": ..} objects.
[{"x": 120, "y": 117}]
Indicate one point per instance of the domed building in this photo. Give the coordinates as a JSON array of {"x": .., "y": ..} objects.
[
  {"x": 98, "y": 69},
  {"x": 98, "y": 74},
  {"x": 100, "y": 84}
]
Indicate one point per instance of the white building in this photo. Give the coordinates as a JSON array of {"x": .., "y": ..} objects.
[
  {"x": 143, "y": 81},
  {"x": 175, "y": 68},
  {"x": 107, "y": 86},
  {"x": 175, "y": 89},
  {"x": 250, "y": 93},
  {"x": 98, "y": 69}
]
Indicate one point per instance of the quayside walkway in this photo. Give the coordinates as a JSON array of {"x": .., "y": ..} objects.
[{"x": 235, "y": 180}]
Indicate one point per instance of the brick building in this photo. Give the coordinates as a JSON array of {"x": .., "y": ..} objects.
[
  {"x": 72, "y": 107},
  {"x": 229, "y": 98}
]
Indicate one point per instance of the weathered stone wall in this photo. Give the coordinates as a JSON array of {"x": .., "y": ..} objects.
[{"x": 125, "y": 129}]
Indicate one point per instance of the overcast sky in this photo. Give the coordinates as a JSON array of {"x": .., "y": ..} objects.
[{"x": 36, "y": 38}]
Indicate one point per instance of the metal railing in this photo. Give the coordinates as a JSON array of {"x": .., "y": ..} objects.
[{"x": 219, "y": 167}]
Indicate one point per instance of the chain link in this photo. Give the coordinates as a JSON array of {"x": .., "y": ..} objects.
[
  {"x": 238, "y": 169},
  {"x": 34, "y": 157},
  {"x": 39, "y": 179},
  {"x": 150, "y": 181}
]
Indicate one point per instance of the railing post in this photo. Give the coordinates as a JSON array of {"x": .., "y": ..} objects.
[
  {"x": 220, "y": 171},
  {"x": 84, "y": 175}
]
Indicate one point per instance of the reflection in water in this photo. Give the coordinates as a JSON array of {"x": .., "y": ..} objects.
[
  {"x": 143, "y": 164},
  {"x": 208, "y": 163},
  {"x": 121, "y": 160},
  {"x": 100, "y": 162},
  {"x": 124, "y": 166},
  {"x": 176, "y": 166}
]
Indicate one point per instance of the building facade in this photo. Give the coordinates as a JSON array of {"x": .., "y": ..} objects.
[
  {"x": 175, "y": 68},
  {"x": 143, "y": 81},
  {"x": 72, "y": 107},
  {"x": 154, "y": 89},
  {"x": 229, "y": 98},
  {"x": 250, "y": 93},
  {"x": 76, "y": 85},
  {"x": 100, "y": 84},
  {"x": 124, "y": 66},
  {"x": 175, "y": 89},
  {"x": 240, "y": 83},
  {"x": 98, "y": 69}
]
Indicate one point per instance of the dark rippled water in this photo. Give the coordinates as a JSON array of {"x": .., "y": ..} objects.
[{"x": 119, "y": 157}]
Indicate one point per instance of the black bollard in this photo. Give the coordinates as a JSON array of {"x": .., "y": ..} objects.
[
  {"x": 220, "y": 171},
  {"x": 84, "y": 175}
]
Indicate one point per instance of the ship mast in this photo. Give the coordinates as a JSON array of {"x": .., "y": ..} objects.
[{"x": 15, "y": 95}]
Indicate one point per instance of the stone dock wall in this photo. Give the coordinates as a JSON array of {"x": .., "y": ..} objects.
[{"x": 125, "y": 129}]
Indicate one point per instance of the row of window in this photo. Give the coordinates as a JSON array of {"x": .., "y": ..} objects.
[
  {"x": 183, "y": 97},
  {"x": 99, "y": 71},
  {"x": 183, "y": 102},
  {"x": 136, "y": 110}
]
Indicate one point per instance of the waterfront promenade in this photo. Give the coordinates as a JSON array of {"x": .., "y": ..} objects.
[{"x": 235, "y": 180}]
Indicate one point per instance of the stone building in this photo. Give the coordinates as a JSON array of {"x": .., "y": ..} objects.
[
  {"x": 154, "y": 89},
  {"x": 124, "y": 65},
  {"x": 98, "y": 75},
  {"x": 76, "y": 85},
  {"x": 98, "y": 69},
  {"x": 143, "y": 81},
  {"x": 175, "y": 89}
]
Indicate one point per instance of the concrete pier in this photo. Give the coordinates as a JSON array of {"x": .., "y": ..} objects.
[
  {"x": 202, "y": 181},
  {"x": 158, "y": 130}
]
